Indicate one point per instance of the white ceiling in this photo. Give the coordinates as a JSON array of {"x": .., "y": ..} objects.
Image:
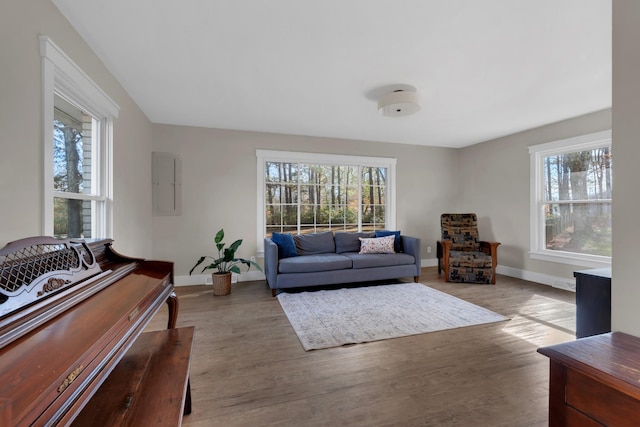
[{"x": 482, "y": 68}]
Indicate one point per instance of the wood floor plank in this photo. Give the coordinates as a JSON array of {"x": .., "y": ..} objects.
[{"x": 249, "y": 369}]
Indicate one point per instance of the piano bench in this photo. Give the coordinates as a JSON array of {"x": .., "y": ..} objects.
[{"x": 149, "y": 386}]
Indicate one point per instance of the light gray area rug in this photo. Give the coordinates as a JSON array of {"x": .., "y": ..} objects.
[{"x": 332, "y": 318}]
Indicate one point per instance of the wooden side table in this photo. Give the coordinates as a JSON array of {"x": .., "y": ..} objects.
[{"x": 595, "y": 381}]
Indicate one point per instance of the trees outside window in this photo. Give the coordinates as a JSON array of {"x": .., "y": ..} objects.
[
  {"x": 78, "y": 119},
  {"x": 308, "y": 193},
  {"x": 72, "y": 158},
  {"x": 304, "y": 198},
  {"x": 571, "y": 199}
]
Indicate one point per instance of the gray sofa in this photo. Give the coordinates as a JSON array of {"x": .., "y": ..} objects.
[{"x": 327, "y": 258}]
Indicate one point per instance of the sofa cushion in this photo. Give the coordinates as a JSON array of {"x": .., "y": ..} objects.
[
  {"x": 314, "y": 263},
  {"x": 377, "y": 245},
  {"x": 316, "y": 243},
  {"x": 397, "y": 243},
  {"x": 379, "y": 260},
  {"x": 349, "y": 242},
  {"x": 286, "y": 244}
]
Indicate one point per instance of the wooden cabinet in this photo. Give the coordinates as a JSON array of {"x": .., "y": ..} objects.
[
  {"x": 595, "y": 381},
  {"x": 593, "y": 302}
]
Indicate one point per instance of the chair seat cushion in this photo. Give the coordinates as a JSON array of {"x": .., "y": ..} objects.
[
  {"x": 469, "y": 259},
  {"x": 313, "y": 263}
]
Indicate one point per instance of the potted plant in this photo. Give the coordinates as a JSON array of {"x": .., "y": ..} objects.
[{"x": 224, "y": 264}]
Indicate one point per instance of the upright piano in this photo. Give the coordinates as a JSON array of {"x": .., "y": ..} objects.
[{"x": 73, "y": 350}]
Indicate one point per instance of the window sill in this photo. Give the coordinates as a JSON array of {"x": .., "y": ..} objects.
[{"x": 590, "y": 261}]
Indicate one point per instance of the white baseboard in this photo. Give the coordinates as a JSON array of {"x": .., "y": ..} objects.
[
  {"x": 205, "y": 279},
  {"x": 431, "y": 262},
  {"x": 545, "y": 279}
]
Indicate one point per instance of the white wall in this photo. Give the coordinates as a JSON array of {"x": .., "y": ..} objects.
[
  {"x": 21, "y": 22},
  {"x": 626, "y": 149},
  {"x": 219, "y": 187}
]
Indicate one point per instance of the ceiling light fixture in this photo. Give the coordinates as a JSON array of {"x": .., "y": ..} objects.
[{"x": 399, "y": 103}]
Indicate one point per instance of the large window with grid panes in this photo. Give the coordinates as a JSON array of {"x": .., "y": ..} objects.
[{"x": 308, "y": 193}]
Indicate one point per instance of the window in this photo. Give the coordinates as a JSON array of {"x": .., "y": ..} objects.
[
  {"x": 571, "y": 190},
  {"x": 78, "y": 120},
  {"x": 307, "y": 193}
]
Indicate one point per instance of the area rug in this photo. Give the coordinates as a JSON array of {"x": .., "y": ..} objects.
[{"x": 332, "y": 318}]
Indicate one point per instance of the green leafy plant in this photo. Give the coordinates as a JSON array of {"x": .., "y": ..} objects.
[{"x": 226, "y": 261}]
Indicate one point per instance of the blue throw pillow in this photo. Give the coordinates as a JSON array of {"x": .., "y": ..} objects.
[
  {"x": 397, "y": 243},
  {"x": 286, "y": 245}
]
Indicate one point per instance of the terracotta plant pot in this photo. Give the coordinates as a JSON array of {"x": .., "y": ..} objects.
[{"x": 221, "y": 283}]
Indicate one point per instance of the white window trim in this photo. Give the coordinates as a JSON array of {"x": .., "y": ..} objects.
[
  {"x": 61, "y": 75},
  {"x": 537, "y": 226},
  {"x": 292, "y": 156}
]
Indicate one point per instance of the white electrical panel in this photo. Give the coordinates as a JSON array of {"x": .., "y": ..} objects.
[{"x": 167, "y": 186}]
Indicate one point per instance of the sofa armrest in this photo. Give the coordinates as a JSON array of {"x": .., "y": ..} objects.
[
  {"x": 411, "y": 246},
  {"x": 270, "y": 262}
]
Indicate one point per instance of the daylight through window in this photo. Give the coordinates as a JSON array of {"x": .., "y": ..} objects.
[
  {"x": 72, "y": 160},
  {"x": 572, "y": 204},
  {"x": 305, "y": 193},
  {"x": 78, "y": 117}
]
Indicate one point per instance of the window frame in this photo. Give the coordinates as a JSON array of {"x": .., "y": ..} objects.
[
  {"x": 537, "y": 153},
  {"x": 61, "y": 76},
  {"x": 264, "y": 156}
]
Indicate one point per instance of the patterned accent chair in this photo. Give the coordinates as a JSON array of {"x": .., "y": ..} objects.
[{"x": 462, "y": 256}]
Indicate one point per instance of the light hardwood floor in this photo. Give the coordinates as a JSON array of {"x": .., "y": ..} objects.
[{"x": 249, "y": 369}]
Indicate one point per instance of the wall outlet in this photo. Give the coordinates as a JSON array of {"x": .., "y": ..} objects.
[
  {"x": 428, "y": 249},
  {"x": 253, "y": 259}
]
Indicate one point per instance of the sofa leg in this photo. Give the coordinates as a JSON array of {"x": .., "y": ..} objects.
[
  {"x": 416, "y": 279},
  {"x": 273, "y": 292}
]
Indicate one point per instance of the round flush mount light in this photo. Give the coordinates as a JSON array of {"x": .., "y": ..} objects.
[{"x": 400, "y": 102}]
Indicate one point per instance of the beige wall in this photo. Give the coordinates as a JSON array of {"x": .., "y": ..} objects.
[
  {"x": 626, "y": 149},
  {"x": 491, "y": 179},
  {"x": 219, "y": 166},
  {"x": 496, "y": 181},
  {"x": 21, "y": 22},
  {"x": 219, "y": 187}
]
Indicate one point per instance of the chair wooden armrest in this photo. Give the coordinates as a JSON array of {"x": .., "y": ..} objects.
[
  {"x": 490, "y": 248},
  {"x": 443, "y": 249}
]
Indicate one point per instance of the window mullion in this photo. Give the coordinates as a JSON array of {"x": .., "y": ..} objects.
[
  {"x": 298, "y": 198},
  {"x": 359, "y": 198}
]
